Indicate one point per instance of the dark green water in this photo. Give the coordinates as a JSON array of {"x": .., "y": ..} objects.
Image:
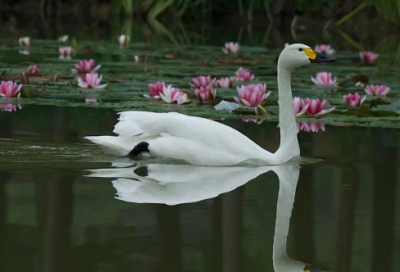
[{"x": 345, "y": 216}]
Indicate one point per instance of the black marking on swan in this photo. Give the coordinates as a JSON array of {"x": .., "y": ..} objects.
[
  {"x": 141, "y": 171},
  {"x": 139, "y": 148}
]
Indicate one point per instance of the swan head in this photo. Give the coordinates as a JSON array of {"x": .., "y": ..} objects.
[{"x": 297, "y": 54}]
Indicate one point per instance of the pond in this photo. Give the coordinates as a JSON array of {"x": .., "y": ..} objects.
[{"x": 66, "y": 206}]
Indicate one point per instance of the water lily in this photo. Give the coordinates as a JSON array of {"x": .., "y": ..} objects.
[
  {"x": 231, "y": 48},
  {"x": 24, "y": 41},
  {"x": 354, "y": 100},
  {"x": 202, "y": 81},
  {"x": 33, "y": 69},
  {"x": 23, "y": 52},
  {"x": 206, "y": 93},
  {"x": 225, "y": 82},
  {"x": 85, "y": 66},
  {"x": 63, "y": 38},
  {"x": 310, "y": 126},
  {"x": 251, "y": 95},
  {"x": 65, "y": 52},
  {"x": 90, "y": 100},
  {"x": 155, "y": 89},
  {"x": 297, "y": 107},
  {"x": 368, "y": 57},
  {"x": 171, "y": 94},
  {"x": 324, "y": 49},
  {"x": 137, "y": 59},
  {"x": 10, "y": 107},
  {"x": 10, "y": 89},
  {"x": 244, "y": 75},
  {"x": 123, "y": 40},
  {"x": 91, "y": 81},
  {"x": 377, "y": 90},
  {"x": 324, "y": 79},
  {"x": 315, "y": 107}
]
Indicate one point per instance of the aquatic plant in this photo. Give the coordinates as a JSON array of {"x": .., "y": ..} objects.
[
  {"x": 171, "y": 94},
  {"x": 91, "y": 80},
  {"x": 377, "y": 90},
  {"x": 24, "y": 41},
  {"x": 368, "y": 57},
  {"x": 353, "y": 100},
  {"x": 225, "y": 82},
  {"x": 65, "y": 52},
  {"x": 202, "y": 81},
  {"x": 231, "y": 48},
  {"x": 90, "y": 100},
  {"x": 10, "y": 107},
  {"x": 324, "y": 79},
  {"x": 85, "y": 66},
  {"x": 137, "y": 59},
  {"x": 324, "y": 49},
  {"x": 298, "y": 109},
  {"x": 315, "y": 107},
  {"x": 206, "y": 93},
  {"x": 63, "y": 38},
  {"x": 33, "y": 69},
  {"x": 10, "y": 89},
  {"x": 155, "y": 89},
  {"x": 244, "y": 75},
  {"x": 310, "y": 126},
  {"x": 123, "y": 40},
  {"x": 251, "y": 95}
]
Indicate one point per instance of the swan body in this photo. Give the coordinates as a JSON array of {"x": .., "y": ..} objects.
[{"x": 200, "y": 141}]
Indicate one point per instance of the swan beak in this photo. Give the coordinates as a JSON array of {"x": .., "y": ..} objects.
[{"x": 319, "y": 58}]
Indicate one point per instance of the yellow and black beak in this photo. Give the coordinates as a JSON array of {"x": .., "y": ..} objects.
[{"x": 317, "y": 57}]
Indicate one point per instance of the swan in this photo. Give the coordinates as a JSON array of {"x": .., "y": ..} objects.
[{"x": 200, "y": 141}]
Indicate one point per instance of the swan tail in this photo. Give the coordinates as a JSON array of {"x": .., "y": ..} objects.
[{"x": 116, "y": 146}]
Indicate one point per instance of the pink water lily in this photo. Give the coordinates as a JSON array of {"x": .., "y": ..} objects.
[
  {"x": 315, "y": 107},
  {"x": 24, "y": 41},
  {"x": 377, "y": 90},
  {"x": 251, "y": 95},
  {"x": 325, "y": 49},
  {"x": 155, "y": 89},
  {"x": 244, "y": 75},
  {"x": 65, "y": 52},
  {"x": 310, "y": 127},
  {"x": 225, "y": 82},
  {"x": 368, "y": 57},
  {"x": 171, "y": 94},
  {"x": 297, "y": 107},
  {"x": 354, "y": 100},
  {"x": 10, "y": 107},
  {"x": 63, "y": 38},
  {"x": 90, "y": 100},
  {"x": 324, "y": 79},
  {"x": 10, "y": 89},
  {"x": 85, "y": 66},
  {"x": 123, "y": 40},
  {"x": 206, "y": 93},
  {"x": 231, "y": 48},
  {"x": 137, "y": 59},
  {"x": 91, "y": 81},
  {"x": 202, "y": 81},
  {"x": 33, "y": 69}
]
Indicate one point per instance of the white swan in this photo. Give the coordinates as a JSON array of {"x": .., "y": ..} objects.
[{"x": 201, "y": 141}]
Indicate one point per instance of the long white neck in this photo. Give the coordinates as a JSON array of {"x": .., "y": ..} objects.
[{"x": 289, "y": 145}]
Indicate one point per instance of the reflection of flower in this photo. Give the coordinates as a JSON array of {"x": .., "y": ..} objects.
[
  {"x": 252, "y": 95},
  {"x": 324, "y": 49},
  {"x": 315, "y": 107},
  {"x": 231, "y": 48},
  {"x": 368, "y": 57},
  {"x": 171, "y": 94},
  {"x": 85, "y": 66},
  {"x": 10, "y": 107},
  {"x": 90, "y": 81},
  {"x": 353, "y": 99},
  {"x": 33, "y": 69},
  {"x": 206, "y": 93},
  {"x": 225, "y": 82},
  {"x": 24, "y": 41},
  {"x": 65, "y": 52},
  {"x": 324, "y": 79},
  {"x": 90, "y": 100},
  {"x": 310, "y": 126},
  {"x": 10, "y": 89},
  {"x": 23, "y": 52},
  {"x": 202, "y": 81},
  {"x": 155, "y": 89},
  {"x": 377, "y": 90},
  {"x": 244, "y": 75},
  {"x": 123, "y": 40}
]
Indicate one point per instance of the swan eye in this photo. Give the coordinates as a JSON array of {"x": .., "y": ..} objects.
[{"x": 300, "y": 49}]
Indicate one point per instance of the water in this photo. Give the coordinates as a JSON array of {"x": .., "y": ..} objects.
[{"x": 66, "y": 206}]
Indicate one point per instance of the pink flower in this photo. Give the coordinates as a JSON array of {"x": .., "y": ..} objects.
[
  {"x": 206, "y": 93},
  {"x": 23, "y": 52},
  {"x": 10, "y": 107},
  {"x": 123, "y": 40},
  {"x": 10, "y": 89},
  {"x": 225, "y": 82},
  {"x": 310, "y": 127},
  {"x": 251, "y": 95},
  {"x": 377, "y": 90},
  {"x": 324, "y": 79},
  {"x": 63, "y": 38},
  {"x": 324, "y": 49},
  {"x": 65, "y": 52},
  {"x": 171, "y": 94},
  {"x": 248, "y": 120},
  {"x": 368, "y": 57},
  {"x": 315, "y": 107},
  {"x": 90, "y": 100},
  {"x": 298, "y": 110},
  {"x": 137, "y": 59},
  {"x": 231, "y": 48},
  {"x": 244, "y": 75},
  {"x": 90, "y": 81},
  {"x": 156, "y": 88},
  {"x": 24, "y": 41},
  {"x": 202, "y": 81},
  {"x": 85, "y": 66},
  {"x": 33, "y": 69},
  {"x": 353, "y": 99}
]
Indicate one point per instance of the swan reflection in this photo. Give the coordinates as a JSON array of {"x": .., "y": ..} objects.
[{"x": 178, "y": 184}]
